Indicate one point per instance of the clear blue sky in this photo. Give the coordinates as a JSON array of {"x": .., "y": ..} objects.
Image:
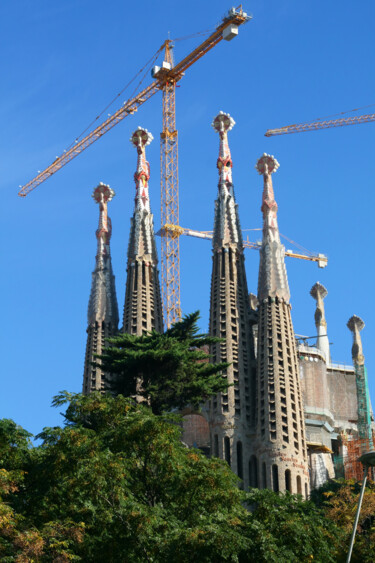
[{"x": 63, "y": 61}]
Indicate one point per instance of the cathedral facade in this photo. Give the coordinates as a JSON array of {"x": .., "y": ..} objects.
[{"x": 283, "y": 422}]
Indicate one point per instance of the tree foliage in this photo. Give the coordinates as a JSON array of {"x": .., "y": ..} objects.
[
  {"x": 117, "y": 484},
  {"x": 339, "y": 500},
  {"x": 168, "y": 371}
]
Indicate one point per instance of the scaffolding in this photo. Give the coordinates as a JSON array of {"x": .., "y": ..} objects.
[{"x": 347, "y": 464}]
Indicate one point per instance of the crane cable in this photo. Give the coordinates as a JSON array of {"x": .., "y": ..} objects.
[{"x": 148, "y": 64}]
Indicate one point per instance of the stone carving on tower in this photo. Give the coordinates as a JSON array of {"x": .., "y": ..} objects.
[
  {"x": 355, "y": 325},
  {"x": 103, "y": 315},
  {"x": 319, "y": 292},
  {"x": 231, "y": 413},
  {"x": 142, "y": 308},
  {"x": 278, "y": 453}
]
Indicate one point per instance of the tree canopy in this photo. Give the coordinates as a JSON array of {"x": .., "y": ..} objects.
[
  {"x": 116, "y": 483},
  {"x": 169, "y": 370}
]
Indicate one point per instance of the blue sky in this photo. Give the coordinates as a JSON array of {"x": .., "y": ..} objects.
[{"x": 63, "y": 62}]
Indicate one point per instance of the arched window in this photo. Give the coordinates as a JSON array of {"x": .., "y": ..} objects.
[
  {"x": 216, "y": 445},
  {"x": 239, "y": 460},
  {"x": 253, "y": 471},
  {"x": 306, "y": 492},
  {"x": 227, "y": 449},
  {"x": 264, "y": 475},
  {"x": 299, "y": 485},
  {"x": 275, "y": 478},
  {"x": 288, "y": 480}
]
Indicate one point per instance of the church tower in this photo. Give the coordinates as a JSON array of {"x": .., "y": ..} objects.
[
  {"x": 319, "y": 293},
  {"x": 142, "y": 308},
  {"x": 231, "y": 413},
  {"x": 102, "y": 310},
  {"x": 279, "y": 459}
]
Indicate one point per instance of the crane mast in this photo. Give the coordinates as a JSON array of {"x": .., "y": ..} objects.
[
  {"x": 170, "y": 244},
  {"x": 165, "y": 79}
]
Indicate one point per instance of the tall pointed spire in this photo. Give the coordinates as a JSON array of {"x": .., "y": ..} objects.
[
  {"x": 355, "y": 325},
  {"x": 102, "y": 310},
  {"x": 142, "y": 309},
  {"x": 279, "y": 459},
  {"x": 319, "y": 292},
  {"x": 226, "y": 228},
  {"x": 231, "y": 413},
  {"x": 273, "y": 280}
]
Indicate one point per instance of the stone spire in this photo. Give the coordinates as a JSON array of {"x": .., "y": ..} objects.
[
  {"x": 355, "y": 325},
  {"x": 142, "y": 309},
  {"x": 279, "y": 456},
  {"x": 102, "y": 310},
  {"x": 272, "y": 272},
  {"x": 231, "y": 413},
  {"x": 319, "y": 292}
]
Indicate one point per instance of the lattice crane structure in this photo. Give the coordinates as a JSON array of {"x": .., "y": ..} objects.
[
  {"x": 165, "y": 79},
  {"x": 320, "y": 124}
]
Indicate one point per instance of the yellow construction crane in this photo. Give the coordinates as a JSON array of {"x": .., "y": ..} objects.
[
  {"x": 177, "y": 231},
  {"x": 165, "y": 79},
  {"x": 319, "y": 124}
]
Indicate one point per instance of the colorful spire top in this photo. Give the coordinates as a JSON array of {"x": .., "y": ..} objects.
[
  {"x": 267, "y": 165},
  {"x": 223, "y": 123},
  {"x": 140, "y": 139},
  {"x": 103, "y": 302},
  {"x": 355, "y": 325},
  {"x": 226, "y": 227},
  {"x": 273, "y": 281},
  {"x": 102, "y": 194}
]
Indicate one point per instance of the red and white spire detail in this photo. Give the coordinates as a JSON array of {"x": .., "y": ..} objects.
[
  {"x": 103, "y": 301},
  {"x": 140, "y": 139},
  {"x": 102, "y": 195},
  {"x": 225, "y": 211},
  {"x": 273, "y": 281},
  {"x": 141, "y": 243}
]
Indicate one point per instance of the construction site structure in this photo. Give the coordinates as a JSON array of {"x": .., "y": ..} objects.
[
  {"x": 142, "y": 306},
  {"x": 231, "y": 414},
  {"x": 261, "y": 426},
  {"x": 278, "y": 455},
  {"x": 320, "y": 124},
  {"x": 102, "y": 316},
  {"x": 166, "y": 77},
  {"x": 319, "y": 258}
]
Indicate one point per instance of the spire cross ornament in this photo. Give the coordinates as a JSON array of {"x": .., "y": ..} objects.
[
  {"x": 140, "y": 139},
  {"x": 102, "y": 194},
  {"x": 267, "y": 165},
  {"x": 355, "y": 325},
  {"x": 223, "y": 123}
]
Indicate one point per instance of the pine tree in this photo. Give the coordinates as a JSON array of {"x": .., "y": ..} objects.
[{"x": 167, "y": 371}]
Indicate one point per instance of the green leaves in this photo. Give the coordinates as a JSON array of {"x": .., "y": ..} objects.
[{"x": 166, "y": 371}]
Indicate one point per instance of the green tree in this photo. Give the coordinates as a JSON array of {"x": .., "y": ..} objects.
[
  {"x": 339, "y": 500},
  {"x": 117, "y": 484},
  {"x": 286, "y": 529},
  {"x": 168, "y": 371}
]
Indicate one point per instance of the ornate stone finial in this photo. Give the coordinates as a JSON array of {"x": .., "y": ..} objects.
[
  {"x": 319, "y": 292},
  {"x": 103, "y": 193},
  {"x": 223, "y": 122},
  {"x": 253, "y": 300},
  {"x": 267, "y": 164},
  {"x": 355, "y": 325},
  {"x": 141, "y": 138}
]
